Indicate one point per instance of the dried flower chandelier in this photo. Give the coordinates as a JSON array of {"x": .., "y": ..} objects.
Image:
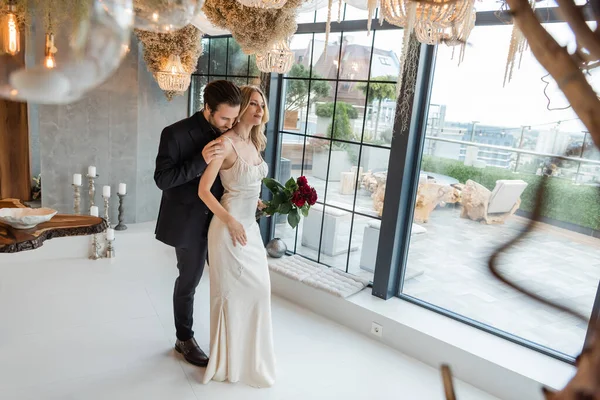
[
  {"x": 173, "y": 77},
  {"x": 278, "y": 60},
  {"x": 263, "y": 3}
]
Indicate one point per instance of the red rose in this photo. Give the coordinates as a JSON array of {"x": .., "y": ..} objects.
[
  {"x": 313, "y": 197},
  {"x": 302, "y": 181},
  {"x": 305, "y": 190},
  {"x": 298, "y": 199}
]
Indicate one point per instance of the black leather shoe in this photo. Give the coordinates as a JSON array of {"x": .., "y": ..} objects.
[{"x": 192, "y": 352}]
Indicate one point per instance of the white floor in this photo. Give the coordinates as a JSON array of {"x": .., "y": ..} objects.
[{"x": 76, "y": 329}]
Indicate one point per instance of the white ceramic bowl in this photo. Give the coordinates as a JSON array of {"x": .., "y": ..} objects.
[{"x": 26, "y": 218}]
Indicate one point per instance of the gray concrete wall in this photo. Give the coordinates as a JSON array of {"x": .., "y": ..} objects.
[
  {"x": 154, "y": 113},
  {"x": 116, "y": 127}
]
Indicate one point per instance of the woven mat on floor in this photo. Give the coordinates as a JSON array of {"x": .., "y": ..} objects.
[{"x": 331, "y": 280}]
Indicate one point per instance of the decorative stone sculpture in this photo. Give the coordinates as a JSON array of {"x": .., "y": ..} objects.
[
  {"x": 429, "y": 196},
  {"x": 378, "y": 198},
  {"x": 371, "y": 181},
  {"x": 475, "y": 199},
  {"x": 475, "y": 202}
]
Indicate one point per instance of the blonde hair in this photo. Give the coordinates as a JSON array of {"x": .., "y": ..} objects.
[{"x": 257, "y": 133}]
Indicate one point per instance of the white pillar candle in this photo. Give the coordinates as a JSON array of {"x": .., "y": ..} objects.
[
  {"x": 122, "y": 188},
  {"x": 94, "y": 211},
  {"x": 106, "y": 191},
  {"x": 91, "y": 171},
  {"x": 110, "y": 234},
  {"x": 77, "y": 179}
]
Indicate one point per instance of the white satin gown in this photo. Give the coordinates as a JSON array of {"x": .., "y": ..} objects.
[{"x": 241, "y": 334}]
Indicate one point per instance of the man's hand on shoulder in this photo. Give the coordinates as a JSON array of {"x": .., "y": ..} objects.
[{"x": 213, "y": 150}]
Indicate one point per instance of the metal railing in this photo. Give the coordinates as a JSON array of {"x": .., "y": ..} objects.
[{"x": 518, "y": 151}]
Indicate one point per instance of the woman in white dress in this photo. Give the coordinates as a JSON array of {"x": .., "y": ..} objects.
[{"x": 241, "y": 337}]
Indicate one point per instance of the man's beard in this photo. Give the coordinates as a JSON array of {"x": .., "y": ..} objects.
[{"x": 213, "y": 123}]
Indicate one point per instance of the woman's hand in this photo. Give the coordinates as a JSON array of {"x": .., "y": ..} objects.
[
  {"x": 261, "y": 206},
  {"x": 237, "y": 232}
]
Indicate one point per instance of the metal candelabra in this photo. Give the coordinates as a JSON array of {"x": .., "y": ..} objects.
[
  {"x": 106, "y": 213},
  {"x": 77, "y": 199},
  {"x": 95, "y": 255},
  {"x": 121, "y": 226},
  {"x": 110, "y": 249},
  {"x": 92, "y": 189}
]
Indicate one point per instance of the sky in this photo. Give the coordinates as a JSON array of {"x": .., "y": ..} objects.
[{"x": 474, "y": 90}]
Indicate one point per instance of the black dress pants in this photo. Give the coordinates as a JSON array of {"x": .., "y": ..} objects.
[{"x": 190, "y": 262}]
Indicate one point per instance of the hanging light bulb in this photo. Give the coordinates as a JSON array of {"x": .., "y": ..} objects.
[
  {"x": 49, "y": 60},
  {"x": 173, "y": 77},
  {"x": 9, "y": 26},
  {"x": 93, "y": 51}
]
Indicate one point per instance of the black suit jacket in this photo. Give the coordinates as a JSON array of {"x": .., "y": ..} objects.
[{"x": 183, "y": 218}]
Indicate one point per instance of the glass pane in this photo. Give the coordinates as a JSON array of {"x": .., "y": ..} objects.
[
  {"x": 349, "y": 111},
  {"x": 356, "y": 56},
  {"x": 301, "y": 45},
  {"x": 355, "y": 14},
  {"x": 239, "y": 81},
  {"x": 472, "y": 152},
  {"x": 254, "y": 71},
  {"x": 295, "y": 105},
  {"x": 385, "y": 64},
  {"x": 238, "y": 61},
  {"x": 372, "y": 177},
  {"x": 341, "y": 172},
  {"x": 381, "y": 110},
  {"x": 290, "y": 165},
  {"x": 335, "y": 237},
  {"x": 203, "y": 60},
  {"x": 255, "y": 82},
  {"x": 365, "y": 236},
  {"x": 198, "y": 84},
  {"x": 218, "y": 56},
  {"x": 309, "y": 231},
  {"x": 326, "y": 65},
  {"x": 320, "y": 111}
]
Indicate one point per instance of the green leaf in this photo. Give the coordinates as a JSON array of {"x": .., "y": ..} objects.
[
  {"x": 285, "y": 208},
  {"x": 293, "y": 218},
  {"x": 270, "y": 210},
  {"x": 272, "y": 185},
  {"x": 305, "y": 209},
  {"x": 279, "y": 198},
  {"x": 291, "y": 184}
]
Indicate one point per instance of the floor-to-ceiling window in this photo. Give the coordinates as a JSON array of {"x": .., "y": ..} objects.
[
  {"x": 486, "y": 148},
  {"x": 338, "y": 110},
  {"x": 222, "y": 58}
]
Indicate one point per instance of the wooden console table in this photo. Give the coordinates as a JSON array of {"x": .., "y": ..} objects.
[{"x": 14, "y": 240}]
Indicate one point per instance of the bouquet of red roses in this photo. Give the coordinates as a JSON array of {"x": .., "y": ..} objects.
[{"x": 294, "y": 198}]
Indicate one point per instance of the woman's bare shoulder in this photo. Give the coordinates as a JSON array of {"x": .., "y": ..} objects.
[{"x": 227, "y": 139}]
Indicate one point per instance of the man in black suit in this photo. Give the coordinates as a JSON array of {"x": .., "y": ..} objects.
[{"x": 185, "y": 150}]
